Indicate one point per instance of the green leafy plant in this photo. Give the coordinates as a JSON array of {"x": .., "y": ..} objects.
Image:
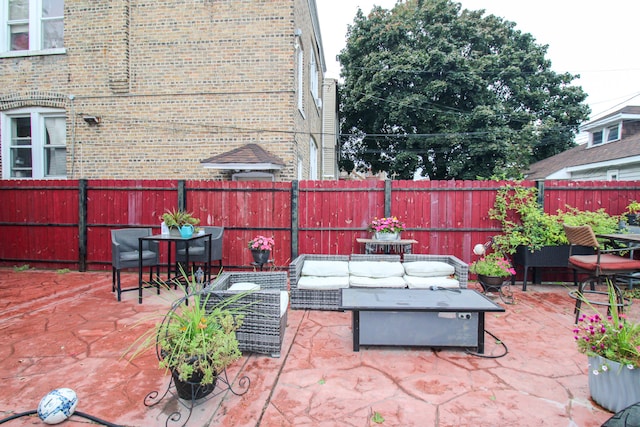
[
  {"x": 178, "y": 218},
  {"x": 612, "y": 337},
  {"x": 494, "y": 264},
  {"x": 524, "y": 222},
  {"x": 633, "y": 207},
  {"x": 196, "y": 335}
]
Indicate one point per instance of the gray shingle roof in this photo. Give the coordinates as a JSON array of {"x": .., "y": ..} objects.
[{"x": 250, "y": 154}]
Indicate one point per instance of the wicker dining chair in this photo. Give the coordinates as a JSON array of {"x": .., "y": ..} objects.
[
  {"x": 124, "y": 254},
  {"x": 605, "y": 264}
]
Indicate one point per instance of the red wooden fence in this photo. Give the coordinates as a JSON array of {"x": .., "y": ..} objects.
[{"x": 66, "y": 223}]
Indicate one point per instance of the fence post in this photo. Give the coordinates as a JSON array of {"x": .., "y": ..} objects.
[
  {"x": 182, "y": 195},
  {"x": 387, "y": 198},
  {"x": 540, "y": 187},
  {"x": 295, "y": 218},
  {"x": 82, "y": 225}
]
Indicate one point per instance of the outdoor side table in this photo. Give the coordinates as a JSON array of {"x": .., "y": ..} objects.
[
  {"x": 400, "y": 246},
  {"x": 171, "y": 241}
]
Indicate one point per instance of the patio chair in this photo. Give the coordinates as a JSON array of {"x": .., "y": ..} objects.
[
  {"x": 605, "y": 264},
  {"x": 199, "y": 251},
  {"x": 124, "y": 254},
  {"x": 265, "y": 318}
]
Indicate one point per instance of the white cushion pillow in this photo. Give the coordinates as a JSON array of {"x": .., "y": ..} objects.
[
  {"x": 323, "y": 283},
  {"x": 325, "y": 268},
  {"x": 428, "y": 268},
  {"x": 377, "y": 282},
  {"x": 284, "y": 302},
  {"x": 244, "y": 286},
  {"x": 376, "y": 269},
  {"x": 415, "y": 282}
]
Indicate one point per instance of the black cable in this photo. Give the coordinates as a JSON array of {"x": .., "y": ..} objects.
[
  {"x": 78, "y": 413},
  {"x": 474, "y": 353}
]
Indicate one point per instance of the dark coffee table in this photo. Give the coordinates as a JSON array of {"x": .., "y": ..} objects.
[{"x": 435, "y": 317}]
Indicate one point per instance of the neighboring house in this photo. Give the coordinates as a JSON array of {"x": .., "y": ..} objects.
[
  {"x": 123, "y": 89},
  {"x": 611, "y": 153}
]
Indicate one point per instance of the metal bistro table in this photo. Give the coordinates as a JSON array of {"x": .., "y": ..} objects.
[
  {"x": 371, "y": 246},
  {"x": 435, "y": 317},
  {"x": 171, "y": 241},
  {"x": 630, "y": 241}
]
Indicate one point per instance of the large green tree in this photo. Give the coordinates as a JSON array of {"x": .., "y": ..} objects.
[{"x": 453, "y": 92}]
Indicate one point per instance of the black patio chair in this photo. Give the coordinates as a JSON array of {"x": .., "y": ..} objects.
[{"x": 124, "y": 254}]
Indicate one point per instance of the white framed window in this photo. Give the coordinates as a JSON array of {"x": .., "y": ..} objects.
[
  {"x": 300, "y": 77},
  {"x": 313, "y": 159},
  {"x": 314, "y": 76},
  {"x": 300, "y": 169},
  {"x": 32, "y": 25},
  {"x": 608, "y": 134},
  {"x": 612, "y": 175},
  {"x": 34, "y": 143}
]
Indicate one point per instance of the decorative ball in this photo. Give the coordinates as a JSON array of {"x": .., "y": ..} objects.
[
  {"x": 57, "y": 405},
  {"x": 479, "y": 249}
]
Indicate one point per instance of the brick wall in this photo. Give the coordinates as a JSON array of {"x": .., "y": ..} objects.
[{"x": 174, "y": 82}]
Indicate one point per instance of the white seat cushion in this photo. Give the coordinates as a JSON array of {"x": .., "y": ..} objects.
[
  {"x": 377, "y": 282},
  {"x": 376, "y": 269},
  {"x": 428, "y": 268},
  {"x": 244, "y": 286},
  {"x": 323, "y": 283},
  {"x": 415, "y": 282},
  {"x": 325, "y": 268},
  {"x": 284, "y": 302}
]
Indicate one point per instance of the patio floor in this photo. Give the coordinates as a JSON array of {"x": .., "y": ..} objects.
[{"x": 68, "y": 330}]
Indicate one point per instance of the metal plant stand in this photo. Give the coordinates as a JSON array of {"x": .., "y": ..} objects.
[
  {"x": 222, "y": 385},
  {"x": 500, "y": 285}
]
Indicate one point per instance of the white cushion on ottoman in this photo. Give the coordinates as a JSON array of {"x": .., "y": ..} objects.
[
  {"x": 323, "y": 283},
  {"x": 428, "y": 268},
  {"x": 376, "y": 269},
  {"x": 415, "y": 282},
  {"x": 377, "y": 282},
  {"x": 325, "y": 268},
  {"x": 284, "y": 302},
  {"x": 244, "y": 286}
]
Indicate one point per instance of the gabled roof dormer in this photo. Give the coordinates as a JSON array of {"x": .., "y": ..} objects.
[{"x": 611, "y": 128}]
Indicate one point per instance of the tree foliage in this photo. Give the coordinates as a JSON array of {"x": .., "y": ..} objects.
[{"x": 454, "y": 92}]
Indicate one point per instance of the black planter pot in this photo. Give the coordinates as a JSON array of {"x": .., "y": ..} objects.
[
  {"x": 192, "y": 389},
  {"x": 260, "y": 257},
  {"x": 547, "y": 256}
]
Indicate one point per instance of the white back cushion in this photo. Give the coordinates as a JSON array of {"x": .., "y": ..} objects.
[
  {"x": 376, "y": 269},
  {"x": 325, "y": 268},
  {"x": 428, "y": 268}
]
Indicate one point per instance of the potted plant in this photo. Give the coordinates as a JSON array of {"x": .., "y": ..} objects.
[
  {"x": 535, "y": 238},
  {"x": 492, "y": 269},
  {"x": 176, "y": 219},
  {"x": 261, "y": 247},
  {"x": 633, "y": 213},
  {"x": 612, "y": 345},
  {"x": 388, "y": 228},
  {"x": 195, "y": 340}
]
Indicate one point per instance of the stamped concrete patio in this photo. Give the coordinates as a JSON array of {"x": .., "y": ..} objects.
[{"x": 67, "y": 330}]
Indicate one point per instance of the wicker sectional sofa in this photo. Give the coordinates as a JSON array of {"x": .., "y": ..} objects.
[
  {"x": 317, "y": 285},
  {"x": 265, "y": 320}
]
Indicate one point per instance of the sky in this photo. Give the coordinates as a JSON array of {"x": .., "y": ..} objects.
[{"x": 599, "y": 43}]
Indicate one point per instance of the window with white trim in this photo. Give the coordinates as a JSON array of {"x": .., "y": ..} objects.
[
  {"x": 313, "y": 159},
  {"x": 608, "y": 134},
  {"x": 34, "y": 144},
  {"x": 313, "y": 77},
  {"x": 32, "y": 25},
  {"x": 300, "y": 77}
]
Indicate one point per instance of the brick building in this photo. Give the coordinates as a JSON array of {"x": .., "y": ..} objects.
[{"x": 122, "y": 89}]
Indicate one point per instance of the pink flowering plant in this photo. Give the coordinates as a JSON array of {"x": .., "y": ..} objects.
[
  {"x": 261, "y": 243},
  {"x": 612, "y": 337},
  {"x": 494, "y": 264},
  {"x": 386, "y": 225}
]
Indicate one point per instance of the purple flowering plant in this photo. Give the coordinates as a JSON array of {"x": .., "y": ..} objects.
[
  {"x": 494, "y": 264},
  {"x": 612, "y": 337},
  {"x": 261, "y": 243},
  {"x": 386, "y": 225}
]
